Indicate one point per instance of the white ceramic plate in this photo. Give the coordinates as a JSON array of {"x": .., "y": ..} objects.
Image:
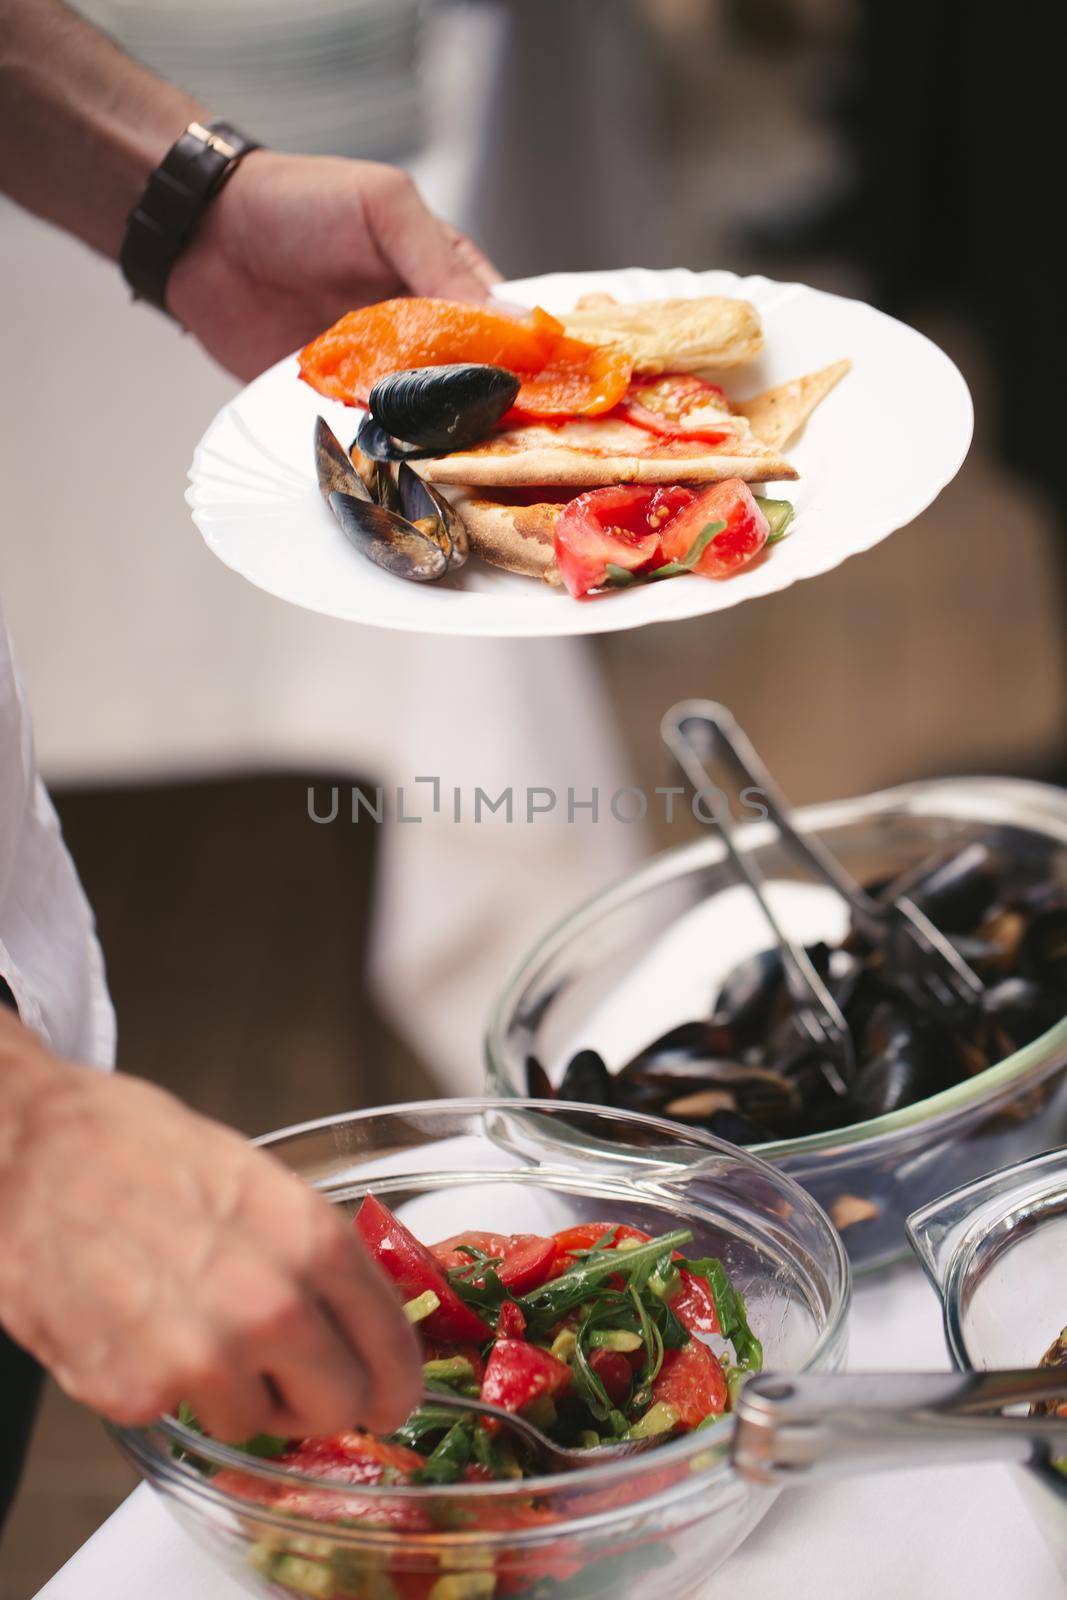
[{"x": 873, "y": 456}]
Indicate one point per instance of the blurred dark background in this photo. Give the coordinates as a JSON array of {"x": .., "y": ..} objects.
[{"x": 902, "y": 152}]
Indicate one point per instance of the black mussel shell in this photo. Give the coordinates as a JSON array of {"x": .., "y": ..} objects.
[
  {"x": 588, "y": 1079},
  {"x": 1043, "y": 950},
  {"x": 424, "y": 504},
  {"x": 1020, "y": 1011},
  {"x": 538, "y": 1083},
  {"x": 389, "y": 541},
  {"x": 334, "y": 468},
  {"x": 679, "y": 1052},
  {"x": 373, "y": 441},
  {"x": 748, "y": 995},
  {"x": 443, "y": 408},
  {"x": 955, "y": 889},
  {"x": 897, "y": 1076},
  {"x": 736, "y": 1129}
]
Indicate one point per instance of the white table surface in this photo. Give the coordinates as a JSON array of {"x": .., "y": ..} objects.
[{"x": 941, "y": 1533}]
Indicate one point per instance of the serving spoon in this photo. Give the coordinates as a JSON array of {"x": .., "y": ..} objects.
[{"x": 804, "y": 1427}]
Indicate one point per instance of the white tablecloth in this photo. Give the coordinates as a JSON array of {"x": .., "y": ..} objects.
[{"x": 943, "y": 1533}]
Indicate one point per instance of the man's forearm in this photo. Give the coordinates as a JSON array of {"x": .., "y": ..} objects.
[{"x": 81, "y": 124}]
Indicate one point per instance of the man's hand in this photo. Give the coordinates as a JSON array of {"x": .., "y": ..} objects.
[
  {"x": 287, "y": 246},
  {"x": 150, "y": 1256},
  {"x": 292, "y": 242}
]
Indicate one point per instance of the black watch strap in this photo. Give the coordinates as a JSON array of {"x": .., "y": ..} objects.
[{"x": 176, "y": 196}]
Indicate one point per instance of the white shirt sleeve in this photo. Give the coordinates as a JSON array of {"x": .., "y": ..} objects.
[{"x": 49, "y": 954}]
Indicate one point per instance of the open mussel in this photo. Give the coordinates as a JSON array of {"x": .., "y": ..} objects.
[
  {"x": 402, "y": 524},
  {"x": 388, "y": 540},
  {"x": 424, "y": 505},
  {"x": 334, "y": 468},
  {"x": 429, "y": 410}
]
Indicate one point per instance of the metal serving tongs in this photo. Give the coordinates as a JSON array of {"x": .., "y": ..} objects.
[
  {"x": 804, "y": 1428},
  {"x": 815, "y": 1011},
  {"x": 936, "y": 972}
]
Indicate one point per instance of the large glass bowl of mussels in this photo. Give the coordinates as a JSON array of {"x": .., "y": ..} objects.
[
  {"x": 995, "y": 1251},
  {"x": 444, "y": 1510},
  {"x": 666, "y": 995}
]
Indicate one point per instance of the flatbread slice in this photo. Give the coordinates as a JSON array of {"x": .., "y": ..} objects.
[
  {"x": 777, "y": 414},
  {"x": 671, "y": 335},
  {"x": 515, "y": 534},
  {"x": 592, "y": 452}
]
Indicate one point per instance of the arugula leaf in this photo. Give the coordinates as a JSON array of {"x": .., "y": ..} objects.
[
  {"x": 618, "y": 577},
  {"x": 730, "y": 1310},
  {"x": 422, "y": 1423},
  {"x": 559, "y": 1295},
  {"x": 674, "y": 569},
  {"x": 265, "y": 1445},
  {"x": 446, "y": 1463}
]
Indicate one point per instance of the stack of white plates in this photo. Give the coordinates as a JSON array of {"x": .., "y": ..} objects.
[{"x": 330, "y": 76}]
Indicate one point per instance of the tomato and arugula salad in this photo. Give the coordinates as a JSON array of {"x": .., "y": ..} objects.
[
  {"x": 611, "y": 538},
  {"x": 596, "y": 1333}
]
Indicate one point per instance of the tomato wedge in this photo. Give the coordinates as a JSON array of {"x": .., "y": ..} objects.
[
  {"x": 615, "y": 1372},
  {"x": 742, "y": 539},
  {"x": 354, "y": 1459},
  {"x": 679, "y": 405},
  {"x": 413, "y": 1269},
  {"x": 560, "y": 376},
  {"x": 692, "y": 1383},
  {"x": 526, "y": 1259},
  {"x": 587, "y": 1234},
  {"x": 518, "y": 1373},
  {"x": 694, "y": 1305},
  {"x": 600, "y": 529}
]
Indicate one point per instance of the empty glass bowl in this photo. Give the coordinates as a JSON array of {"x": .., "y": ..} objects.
[
  {"x": 665, "y": 1519},
  {"x": 996, "y": 1252},
  {"x": 651, "y": 952}
]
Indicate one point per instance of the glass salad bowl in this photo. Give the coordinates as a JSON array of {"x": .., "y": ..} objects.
[
  {"x": 650, "y": 954},
  {"x": 667, "y": 1517},
  {"x": 995, "y": 1251}
]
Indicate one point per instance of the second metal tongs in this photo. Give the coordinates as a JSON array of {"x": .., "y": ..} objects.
[
  {"x": 801, "y": 1429},
  {"x": 936, "y": 971}
]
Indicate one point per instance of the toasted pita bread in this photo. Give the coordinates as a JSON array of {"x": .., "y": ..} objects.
[
  {"x": 515, "y": 535},
  {"x": 671, "y": 335},
  {"x": 592, "y": 452},
  {"x": 777, "y": 414}
]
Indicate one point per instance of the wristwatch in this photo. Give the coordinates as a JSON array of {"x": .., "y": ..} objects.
[{"x": 176, "y": 196}]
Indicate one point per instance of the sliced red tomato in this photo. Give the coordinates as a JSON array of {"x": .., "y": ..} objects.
[
  {"x": 666, "y": 503},
  {"x": 526, "y": 1259},
  {"x": 518, "y": 1373},
  {"x": 587, "y": 1234},
  {"x": 615, "y": 1372},
  {"x": 743, "y": 537},
  {"x": 354, "y": 1459},
  {"x": 511, "y": 1323},
  {"x": 692, "y": 1383},
  {"x": 602, "y": 528},
  {"x": 414, "y": 1271},
  {"x": 694, "y": 1305},
  {"x": 678, "y": 405}
]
